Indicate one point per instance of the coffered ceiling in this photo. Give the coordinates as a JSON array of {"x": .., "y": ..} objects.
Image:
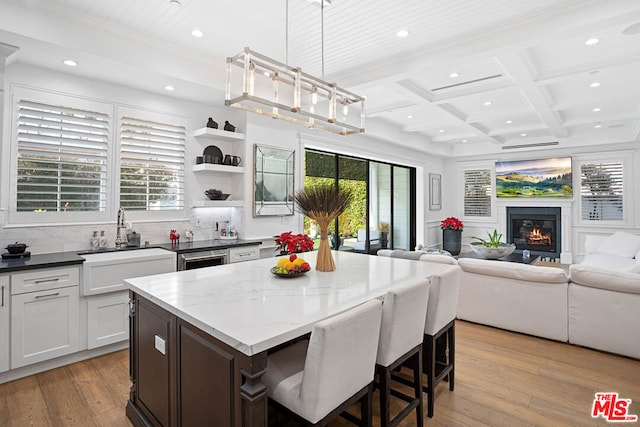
[{"x": 472, "y": 76}]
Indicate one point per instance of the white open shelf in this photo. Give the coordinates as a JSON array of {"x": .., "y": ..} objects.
[
  {"x": 219, "y": 204},
  {"x": 217, "y": 134},
  {"x": 210, "y": 167}
]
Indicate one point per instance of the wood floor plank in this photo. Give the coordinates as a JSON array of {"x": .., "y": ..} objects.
[{"x": 502, "y": 379}]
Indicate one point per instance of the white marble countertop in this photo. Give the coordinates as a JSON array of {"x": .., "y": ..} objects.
[{"x": 248, "y": 308}]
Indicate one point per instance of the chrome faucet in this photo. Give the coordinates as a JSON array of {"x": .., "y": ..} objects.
[{"x": 119, "y": 226}]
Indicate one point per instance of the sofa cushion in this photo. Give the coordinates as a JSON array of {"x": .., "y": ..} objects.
[
  {"x": 620, "y": 244},
  {"x": 513, "y": 270},
  {"x": 604, "y": 279},
  {"x": 610, "y": 262}
]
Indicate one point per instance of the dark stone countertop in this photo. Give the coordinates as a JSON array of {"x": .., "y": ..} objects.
[
  {"x": 56, "y": 259},
  {"x": 201, "y": 245},
  {"x": 61, "y": 259}
]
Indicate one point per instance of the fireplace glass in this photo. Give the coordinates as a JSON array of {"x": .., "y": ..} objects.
[{"x": 535, "y": 229}]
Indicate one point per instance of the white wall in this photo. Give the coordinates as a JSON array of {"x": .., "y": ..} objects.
[
  {"x": 258, "y": 130},
  {"x": 68, "y": 237},
  {"x": 577, "y": 229}
]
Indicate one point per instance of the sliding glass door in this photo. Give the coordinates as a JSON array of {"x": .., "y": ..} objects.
[{"x": 382, "y": 210}]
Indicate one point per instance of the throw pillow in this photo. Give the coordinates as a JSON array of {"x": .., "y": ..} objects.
[{"x": 620, "y": 244}]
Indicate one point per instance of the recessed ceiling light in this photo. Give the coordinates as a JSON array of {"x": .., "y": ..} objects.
[
  {"x": 594, "y": 84},
  {"x": 523, "y": 134},
  {"x": 175, "y": 3},
  {"x": 409, "y": 116},
  {"x": 402, "y": 33},
  {"x": 487, "y": 103},
  {"x": 598, "y": 126},
  {"x": 441, "y": 131},
  {"x": 592, "y": 41},
  {"x": 454, "y": 75},
  {"x": 509, "y": 122},
  {"x": 464, "y": 140},
  {"x": 169, "y": 88},
  {"x": 596, "y": 110},
  {"x": 70, "y": 63},
  {"x": 197, "y": 33}
]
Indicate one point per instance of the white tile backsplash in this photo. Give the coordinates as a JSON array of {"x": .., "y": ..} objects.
[{"x": 77, "y": 237}]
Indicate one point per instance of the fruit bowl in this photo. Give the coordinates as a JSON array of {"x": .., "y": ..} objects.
[{"x": 287, "y": 275}]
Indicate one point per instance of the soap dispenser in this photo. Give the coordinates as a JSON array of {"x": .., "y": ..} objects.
[
  {"x": 103, "y": 240},
  {"x": 95, "y": 240}
]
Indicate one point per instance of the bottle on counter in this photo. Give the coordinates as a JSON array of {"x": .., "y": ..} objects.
[
  {"x": 103, "y": 240},
  {"x": 95, "y": 240}
]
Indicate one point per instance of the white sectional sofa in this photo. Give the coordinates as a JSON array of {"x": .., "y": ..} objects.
[
  {"x": 604, "y": 310},
  {"x": 518, "y": 297},
  {"x": 595, "y": 304}
]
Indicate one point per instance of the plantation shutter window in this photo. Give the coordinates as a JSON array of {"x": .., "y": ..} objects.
[
  {"x": 601, "y": 190},
  {"x": 477, "y": 193},
  {"x": 152, "y": 158},
  {"x": 61, "y": 158}
]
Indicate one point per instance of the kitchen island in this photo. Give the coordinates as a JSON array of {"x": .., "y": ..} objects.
[{"x": 200, "y": 338}]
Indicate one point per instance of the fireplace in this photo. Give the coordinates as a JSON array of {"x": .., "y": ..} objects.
[{"x": 537, "y": 229}]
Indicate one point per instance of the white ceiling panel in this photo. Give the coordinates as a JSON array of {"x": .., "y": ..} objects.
[{"x": 536, "y": 48}]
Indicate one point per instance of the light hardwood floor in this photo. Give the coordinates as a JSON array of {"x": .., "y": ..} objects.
[{"x": 502, "y": 379}]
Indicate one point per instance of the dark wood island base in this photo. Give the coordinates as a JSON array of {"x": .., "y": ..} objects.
[{"x": 181, "y": 376}]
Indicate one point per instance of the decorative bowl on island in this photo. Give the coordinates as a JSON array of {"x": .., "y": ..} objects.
[
  {"x": 487, "y": 252},
  {"x": 288, "y": 275},
  {"x": 290, "y": 266},
  {"x": 214, "y": 194}
]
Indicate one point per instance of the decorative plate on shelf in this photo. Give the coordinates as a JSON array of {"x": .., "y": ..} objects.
[
  {"x": 287, "y": 276},
  {"x": 213, "y": 151}
]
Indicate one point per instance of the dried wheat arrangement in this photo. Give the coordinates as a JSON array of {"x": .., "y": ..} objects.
[{"x": 323, "y": 204}]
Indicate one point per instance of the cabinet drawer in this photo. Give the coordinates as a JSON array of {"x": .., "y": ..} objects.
[
  {"x": 244, "y": 253},
  {"x": 43, "y": 279}
]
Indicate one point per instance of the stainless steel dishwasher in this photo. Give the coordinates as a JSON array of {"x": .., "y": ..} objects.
[{"x": 206, "y": 258}]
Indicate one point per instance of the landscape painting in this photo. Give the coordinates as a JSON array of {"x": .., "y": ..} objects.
[{"x": 534, "y": 178}]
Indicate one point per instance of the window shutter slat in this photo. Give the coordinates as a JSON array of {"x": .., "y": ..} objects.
[
  {"x": 152, "y": 156},
  {"x": 601, "y": 191},
  {"x": 477, "y": 192},
  {"x": 62, "y": 158}
]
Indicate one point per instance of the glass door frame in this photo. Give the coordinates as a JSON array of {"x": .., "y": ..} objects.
[{"x": 335, "y": 243}]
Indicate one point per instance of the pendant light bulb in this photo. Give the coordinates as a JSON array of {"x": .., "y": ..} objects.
[
  {"x": 252, "y": 78},
  {"x": 314, "y": 96},
  {"x": 345, "y": 107}
]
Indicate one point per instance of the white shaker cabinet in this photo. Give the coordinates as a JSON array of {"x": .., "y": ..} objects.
[
  {"x": 4, "y": 323},
  {"x": 107, "y": 319},
  {"x": 105, "y": 294},
  {"x": 44, "y": 315}
]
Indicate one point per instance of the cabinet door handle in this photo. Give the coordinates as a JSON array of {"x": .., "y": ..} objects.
[
  {"x": 55, "y": 279},
  {"x": 2, "y": 305},
  {"x": 47, "y": 295}
]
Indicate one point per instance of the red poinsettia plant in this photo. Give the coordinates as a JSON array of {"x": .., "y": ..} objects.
[
  {"x": 293, "y": 243},
  {"x": 451, "y": 223}
]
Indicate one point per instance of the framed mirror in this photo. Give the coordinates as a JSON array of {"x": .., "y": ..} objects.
[{"x": 273, "y": 180}]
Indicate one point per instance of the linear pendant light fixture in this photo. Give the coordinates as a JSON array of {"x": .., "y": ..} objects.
[{"x": 265, "y": 86}]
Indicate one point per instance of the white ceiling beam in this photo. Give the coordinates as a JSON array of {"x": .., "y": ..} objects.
[
  {"x": 413, "y": 91},
  {"x": 562, "y": 74},
  {"x": 518, "y": 129},
  {"x": 601, "y": 119},
  {"x": 514, "y": 64},
  {"x": 385, "y": 108}
]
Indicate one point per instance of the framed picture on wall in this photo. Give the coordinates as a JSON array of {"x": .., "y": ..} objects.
[{"x": 435, "y": 192}]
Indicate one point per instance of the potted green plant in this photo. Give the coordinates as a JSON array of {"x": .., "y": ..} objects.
[{"x": 493, "y": 247}]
